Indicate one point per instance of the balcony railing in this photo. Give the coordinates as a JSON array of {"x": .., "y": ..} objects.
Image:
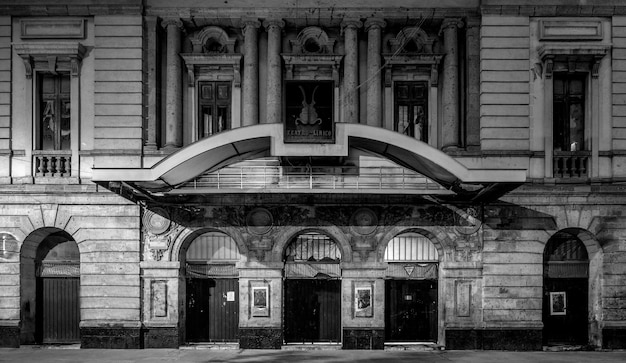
[
  {"x": 53, "y": 163},
  {"x": 325, "y": 178},
  {"x": 571, "y": 164}
]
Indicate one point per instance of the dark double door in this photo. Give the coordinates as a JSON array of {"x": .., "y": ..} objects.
[
  {"x": 312, "y": 311},
  {"x": 411, "y": 310},
  {"x": 212, "y": 310}
]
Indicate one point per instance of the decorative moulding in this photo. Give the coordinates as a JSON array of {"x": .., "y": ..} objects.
[
  {"x": 570, "y": 29},
  {"x": 219, "y": 63},
  {"x": 51, "y": 56},
  {"x": 200, "y": 40},
  {"x": 56, "y": 28}
]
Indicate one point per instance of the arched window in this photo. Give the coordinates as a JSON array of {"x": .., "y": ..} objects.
[
  {"x": 312, "y": 255},
  {"x": 411, "y": 255},
  {"x": 212, "y": 254},
  {"x": 313, "y": 247},
  {"x": 411, "y": 246}
]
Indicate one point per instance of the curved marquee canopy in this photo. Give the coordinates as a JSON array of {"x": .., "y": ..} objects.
[{"x": 258, "y": 141}]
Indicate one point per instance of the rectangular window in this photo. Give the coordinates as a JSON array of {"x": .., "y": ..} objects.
[
  {"x": 569, "y": 112},
  {"x": 214, "y": 107},
  {"x": 411, "y": 110},
  {"x": 54, "y": 112}
]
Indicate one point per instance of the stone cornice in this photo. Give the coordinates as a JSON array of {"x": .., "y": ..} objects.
[
  {"x": 75, "y": 8},
  {"x": 554, "y": 10}
]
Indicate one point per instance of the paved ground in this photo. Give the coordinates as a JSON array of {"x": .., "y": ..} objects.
[{"x": 42, "y": 355}]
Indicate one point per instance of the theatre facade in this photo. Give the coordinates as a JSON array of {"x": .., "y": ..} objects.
[{"x": 350, "y": 175}]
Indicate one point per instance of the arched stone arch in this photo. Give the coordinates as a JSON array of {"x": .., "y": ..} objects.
[
  {"x": 312, "y": 36},
  {"x": 595, "y": 258},
  {"x": 423, "y": 42},
  {"x": 212, "y": 33},
  {"x": 186, "y": 236},
  {"x": 437, "y": 236},
  {"x": 288, "y": 234},
  {"x": 29, "y": 290}
]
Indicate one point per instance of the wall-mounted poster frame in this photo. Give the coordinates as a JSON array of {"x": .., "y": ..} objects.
[
  {"x": 260, "y": 300},
  {"x": 364, "y": 300},
  {"x": 558, "y": 303}
]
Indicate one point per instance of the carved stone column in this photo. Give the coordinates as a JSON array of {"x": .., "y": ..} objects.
[
  {"x": 374, "y": 85},
  {"x": 274, "y": 70},
  {"x": 472, "y": 127},
  {"x": 250, "y": 72},
  {"x": 174, "y": 95},
  {"x": 350, "y": 97},
  {"x": 450, "y": 97}
]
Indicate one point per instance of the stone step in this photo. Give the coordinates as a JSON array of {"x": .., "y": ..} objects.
[
  {"x": 312, "y": 346},
  {"x": 216, "y": 346},
  {"x": 419, "y": 347}
]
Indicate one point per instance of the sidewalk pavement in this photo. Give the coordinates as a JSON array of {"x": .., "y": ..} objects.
[{"x": 50, "y": 355}]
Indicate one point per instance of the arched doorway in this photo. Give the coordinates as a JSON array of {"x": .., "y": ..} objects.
[
  {"x": 565, "y": 290},
  {"x": 312, "y": 305},
  {"x": 411, "y": 289},
  {"x": 212, "y": 287},
  {"x": 50, "y": 288}
]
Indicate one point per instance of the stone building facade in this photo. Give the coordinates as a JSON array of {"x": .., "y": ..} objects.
[{"x": 359, "y": 174}]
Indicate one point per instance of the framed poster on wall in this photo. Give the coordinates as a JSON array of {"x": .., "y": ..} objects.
[
  {"x": 558, "y": 303},
  {"x": 260, "y": 301},
  {"x": 363, "y": 301}
]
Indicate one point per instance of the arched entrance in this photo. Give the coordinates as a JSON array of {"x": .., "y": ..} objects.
[
  {"x": 50, "y": 288},
  {"x": 212, "y": 287},
  {"x": 565, "y": 290},
  {"x": 312, "y": 306},
  {"x": 411, "y": 289}
]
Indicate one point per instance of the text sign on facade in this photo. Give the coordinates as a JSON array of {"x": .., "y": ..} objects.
[{"x": 309, "y": 112}]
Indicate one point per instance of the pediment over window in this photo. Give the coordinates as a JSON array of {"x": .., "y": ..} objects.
[
  {"x": 312, "y": 57},
  {"x": 212, "y": 40},
  {"x": 572, "y": 57},
  {"x": 412, "y": 40},
  {"x": 52, "y": 57},
  {"x": 212, "y": 56}
]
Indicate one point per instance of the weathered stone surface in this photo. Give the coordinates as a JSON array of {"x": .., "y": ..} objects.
[
  {"x": 110, "y": 338},
  {"x": 362, "y": 338},
  {"x": 9, "y": 336},
  {"x": 260, "y": 338},
  {"x": 160, "y": 338}
]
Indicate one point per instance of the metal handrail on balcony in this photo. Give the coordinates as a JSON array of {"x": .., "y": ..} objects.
[
  {"x": 571, "y": 164},
  {"x": 53, "y": 163},
  {"x": 312, "y": 178}
]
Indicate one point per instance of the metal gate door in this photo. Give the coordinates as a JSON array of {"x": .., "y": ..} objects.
[
  {"x": 60, "y": 310},
  {"x": 411, "y": 310},
  {"x": 312, "y": 310},
  {"x": 212, "y": 310}
]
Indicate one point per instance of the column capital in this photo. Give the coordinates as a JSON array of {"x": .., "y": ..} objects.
[
  {"x": 351, "y": 23},
  {"x": 451, "y": 23},
  {"x": 166, "y": 22},
  {"x": 267, "y": 24},
  {"x": 250, "y": 22},
  {"x": 373, "y": 23},
  {"x": 472, "y": 22}
]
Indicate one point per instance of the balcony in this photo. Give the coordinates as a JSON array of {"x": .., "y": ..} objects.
[
  {"x": 571, "y": 164},
  {"x": 52, "y": 163}
]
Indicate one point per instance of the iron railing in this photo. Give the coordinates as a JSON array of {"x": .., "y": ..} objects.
[{"x": 312, "y": 178}]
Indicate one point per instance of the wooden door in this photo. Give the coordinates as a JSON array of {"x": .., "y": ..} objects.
[
  {"x": 312, "y": 311},
  {"x": 566, "y": 325},
  {"x": 212, "y": 310},
  {"x": 411, "y": 310},
  {"x": 60, "y": 309}
]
